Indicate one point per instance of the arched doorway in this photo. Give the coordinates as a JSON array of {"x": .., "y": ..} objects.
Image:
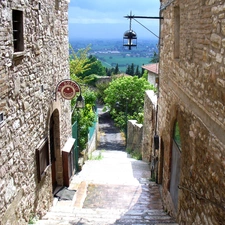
[
  {"x": 175, "y": 165},
  {"x": 54, "y": 145}
]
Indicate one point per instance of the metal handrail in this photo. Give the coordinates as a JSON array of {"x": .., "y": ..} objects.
[{"x": 201, "y": 197}]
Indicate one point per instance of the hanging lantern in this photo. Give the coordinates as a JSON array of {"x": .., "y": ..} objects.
[{"x": 130, "y": 39}]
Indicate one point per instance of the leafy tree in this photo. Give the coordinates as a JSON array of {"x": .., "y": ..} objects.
[
  {"x": 108, "y": 72},
  {"x": 81, "y": 65},
  {"x": 101, "y": 87},
  {"x": 155, "y": 58},
  {"x": 85, "y": 118},
  {"x": 95, "y": 67},
  {"x": 132, "y": 70},
  {"x": 117, "y": 69},
  {"x": 128, "y": 70},
  {"x": 145, "y": 75},
  {"x": 90, "y": 80},
  {"x": 125, "y": 98},
  {"x": 79, "y": 62},
  {"x": 142, "y": 70},
  {"x": 137, "y": 72}
]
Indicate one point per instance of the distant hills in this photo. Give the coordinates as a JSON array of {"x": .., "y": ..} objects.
[{"x": 112, "y": 52}]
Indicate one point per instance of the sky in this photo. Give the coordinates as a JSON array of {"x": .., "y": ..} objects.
[{"x": 104, "y": 19}]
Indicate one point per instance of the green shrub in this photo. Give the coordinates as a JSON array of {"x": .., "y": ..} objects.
[
  {"x": 134, "y": 154},
  {"x": 96, "y": 157}
]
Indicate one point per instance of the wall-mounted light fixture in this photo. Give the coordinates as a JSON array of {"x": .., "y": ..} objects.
[
  {"x": 130, "y": 37},
  {"x": 80, "y": 102}
]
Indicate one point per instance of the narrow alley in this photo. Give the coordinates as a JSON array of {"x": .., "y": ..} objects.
[{"x": 112, "y": 188}]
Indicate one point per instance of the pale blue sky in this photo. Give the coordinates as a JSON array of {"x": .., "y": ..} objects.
[{"x": 95, "y": 19}]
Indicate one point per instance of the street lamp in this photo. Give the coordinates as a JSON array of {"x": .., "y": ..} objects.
[
  {"x": 130, "y": 35},
  {"x": 131, "y": 38},
  {"x": 80, "y": 103}
]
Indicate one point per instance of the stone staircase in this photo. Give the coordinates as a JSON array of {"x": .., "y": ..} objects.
[
  {"x": 119, "y": 194},
  {"x": 83, "y": 216}
]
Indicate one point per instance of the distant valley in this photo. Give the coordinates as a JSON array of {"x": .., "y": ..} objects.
[{"x": 112, "y": 52}]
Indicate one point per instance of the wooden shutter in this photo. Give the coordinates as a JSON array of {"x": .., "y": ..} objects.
[{"x": 42, "y": 155}]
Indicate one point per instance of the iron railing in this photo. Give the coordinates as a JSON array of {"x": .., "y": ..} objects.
[
  {"x": 75, "y": 149},
  {"x": 93, "y": 128}
]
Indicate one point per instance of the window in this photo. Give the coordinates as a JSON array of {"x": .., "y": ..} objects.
[
  {"x": 18, "y": 41},
  {"x": 176, "y": 32},
  {"x": 42, "y": 155},
  {"x": 176, "y": 135}
]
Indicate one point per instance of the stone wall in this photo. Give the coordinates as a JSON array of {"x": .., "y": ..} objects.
[
  {"x": 27, "y": 84},
  {"x": 149, "y": 125},
  {"x": 134, "y": 136},
  {"x": 192, "y": 93},
  {"x": 140, "y": 137}
]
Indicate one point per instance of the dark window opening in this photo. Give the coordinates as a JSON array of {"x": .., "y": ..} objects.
[
  {"x": 42, "y": 160},
  {"x": 18, "y": 40}
]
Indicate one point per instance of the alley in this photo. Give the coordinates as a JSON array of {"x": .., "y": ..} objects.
[{"x": 112, "y": 188}]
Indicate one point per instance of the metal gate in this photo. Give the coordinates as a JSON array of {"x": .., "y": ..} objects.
[{"x": 175, "y": 174}]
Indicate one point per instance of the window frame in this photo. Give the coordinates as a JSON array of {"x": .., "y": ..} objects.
[{"x": 18, "y": 31}]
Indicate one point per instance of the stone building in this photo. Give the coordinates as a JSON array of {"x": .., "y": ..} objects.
[
  {"x": 191, "y": 110},
  {"x": 34, "y": 126},
  {"x": 153, "y": 73}
]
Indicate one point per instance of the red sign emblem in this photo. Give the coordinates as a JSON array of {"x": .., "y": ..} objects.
[{"x": 68, "y": 89}]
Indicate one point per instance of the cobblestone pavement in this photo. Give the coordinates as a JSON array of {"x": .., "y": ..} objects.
[{"x": 113, "y": 190}]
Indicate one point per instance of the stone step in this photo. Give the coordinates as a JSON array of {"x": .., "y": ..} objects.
[{"x": 106, "y": 216}]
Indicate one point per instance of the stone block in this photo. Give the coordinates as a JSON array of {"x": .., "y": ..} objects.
[{"x": 216, "y": 41}]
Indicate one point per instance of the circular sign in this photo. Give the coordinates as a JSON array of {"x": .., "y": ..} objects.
[
  {"x": 68, "y": 89},
  {"x": 68, "y": 92}
]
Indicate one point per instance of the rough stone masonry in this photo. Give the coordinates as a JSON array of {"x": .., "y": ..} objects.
[
  {"x": 192, "y": 95},
  {"x": 34, "y": 58}
]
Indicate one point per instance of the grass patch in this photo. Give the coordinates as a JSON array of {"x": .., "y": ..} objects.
[
  {"x": 33, "y": 219},
  {"x": 153, "y": 178},
  {"x": 134, "y": 154},
  {"x": 96, "y": 157}
]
